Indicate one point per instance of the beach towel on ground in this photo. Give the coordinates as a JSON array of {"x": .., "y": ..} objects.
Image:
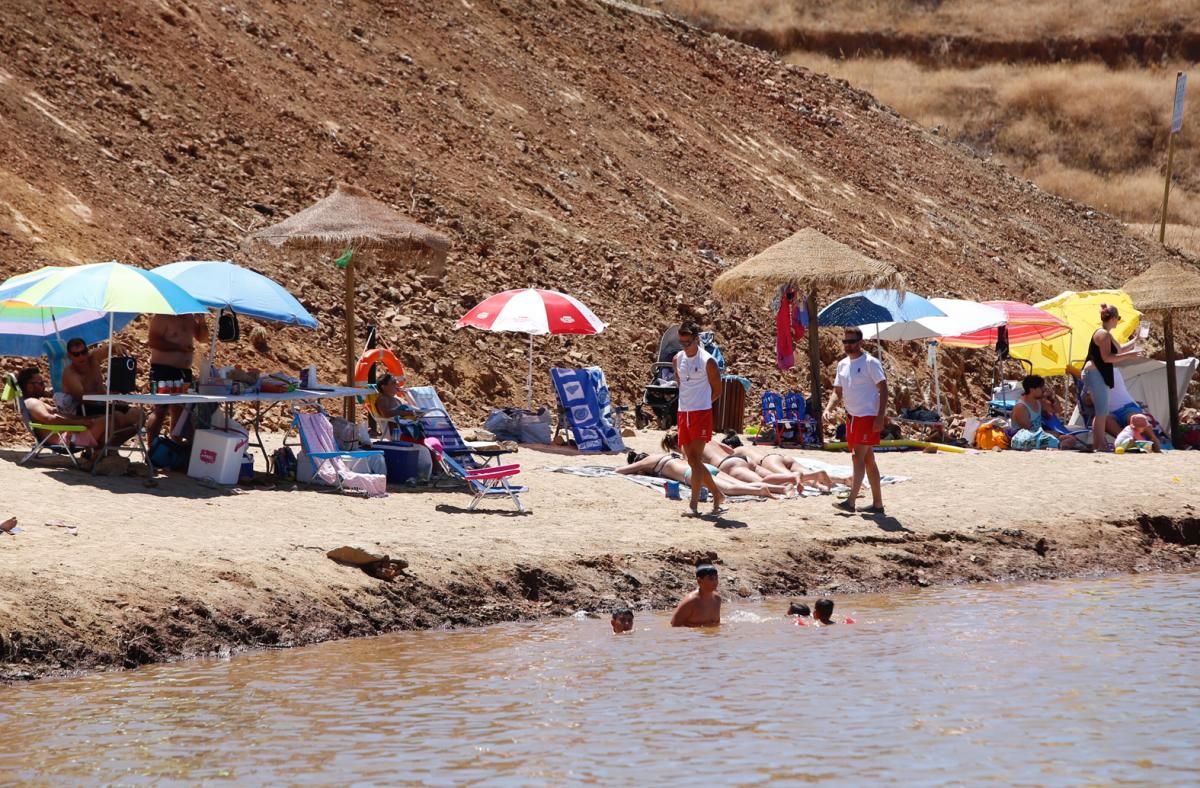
[{"x": 584, "y": 397}]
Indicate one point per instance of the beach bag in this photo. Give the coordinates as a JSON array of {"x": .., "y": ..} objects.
[
  {"x": 990, "y": 436},
  {"x": 345, "y": 434},
  {"x": 534, "y": 427},
  {"x": 166, "y": 453},
  {"x": 227, "y": 327},
  {"x": 122, "y": 375},
  {"x": 283, "y": 460},
  {"x": 502, "y": 423}
]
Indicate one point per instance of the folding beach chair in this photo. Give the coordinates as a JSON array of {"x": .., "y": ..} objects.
[
  {"x": 783, "y": 418},
  {"x": 488, "y": 482},
  {"x": 62, "y": 439},
  {"x": 584, "y": 407},
  {"x": 435, "y": 423},
  {"x": 330, "y": 464}
]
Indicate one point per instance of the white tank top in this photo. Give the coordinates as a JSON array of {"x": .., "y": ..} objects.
[{"x": 694, "y": 391}]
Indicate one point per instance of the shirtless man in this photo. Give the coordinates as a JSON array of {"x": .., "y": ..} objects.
[
  {"x": 172, "y": 350},
  {"x": 702, "y": 607},
  {"x": 33, "y": 389},
  {"x": 622, "y": 620},
  {"x": 83, "y": 375}
]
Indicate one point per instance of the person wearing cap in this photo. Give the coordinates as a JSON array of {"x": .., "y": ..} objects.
[
  {"x": 702, "y": 607},
  {"x": 622, "y": 620}
]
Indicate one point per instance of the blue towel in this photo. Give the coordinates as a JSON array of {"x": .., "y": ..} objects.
[{"x": 584, "y": 395}]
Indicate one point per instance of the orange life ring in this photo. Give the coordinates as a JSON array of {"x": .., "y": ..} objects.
[{"x": 375, "y": 356}]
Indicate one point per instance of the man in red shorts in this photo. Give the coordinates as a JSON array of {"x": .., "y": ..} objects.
[
  {"x": 862, "y": 389},
  {"x": 699, "y": 384}
]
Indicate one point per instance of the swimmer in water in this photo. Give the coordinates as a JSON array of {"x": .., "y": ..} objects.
[
  {"x": 799, "y": 609},
  {"x": 702, "y": 607},
  {"x": 622, "y": 620},
  {"x": 823, "y": 611}
]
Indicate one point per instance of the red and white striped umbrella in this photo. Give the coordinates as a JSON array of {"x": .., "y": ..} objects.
[{"x": 531, "y": 311}]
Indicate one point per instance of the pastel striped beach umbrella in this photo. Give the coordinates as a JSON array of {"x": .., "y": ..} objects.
[
  {"x": 111, "y": 288},
  {"x": 532, "y": 311},
  {"x": 26, "y": 330}
]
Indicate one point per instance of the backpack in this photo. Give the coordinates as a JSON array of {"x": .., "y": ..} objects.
[{"x": 284, "y": 462}]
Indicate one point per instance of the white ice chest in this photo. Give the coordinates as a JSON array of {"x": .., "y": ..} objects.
[{"x": 217, "y": 455}]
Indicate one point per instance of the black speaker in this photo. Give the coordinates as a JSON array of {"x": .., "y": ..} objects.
[{"x": 122, "y": 376}]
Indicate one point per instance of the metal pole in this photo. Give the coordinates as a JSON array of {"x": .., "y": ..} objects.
[
  {"x": 108, "y": 392},
  {"x": 1172, "y": 390},
  {"x": 814, "y": 365},
  {"x": 529, "y": 377}
]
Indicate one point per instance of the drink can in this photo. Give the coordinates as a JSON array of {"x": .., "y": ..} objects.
[
  {"x": 672, "y": 488},
  {"x": 703, "y": 494}
]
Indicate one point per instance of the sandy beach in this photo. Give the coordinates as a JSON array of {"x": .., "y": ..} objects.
[{"x": 107, "y": 572}]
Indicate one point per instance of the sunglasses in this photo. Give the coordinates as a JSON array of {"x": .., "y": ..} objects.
[
  {"x": 686, "y": 340},
  {"x": 851, "y": 341},
  {"x": 78, "y": 353}
]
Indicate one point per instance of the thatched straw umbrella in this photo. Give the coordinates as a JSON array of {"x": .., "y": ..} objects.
[
  {"x": 806, "y": 261},
  {"x": 350, "y": 218},
  {"x": 1165, "y": 288}
]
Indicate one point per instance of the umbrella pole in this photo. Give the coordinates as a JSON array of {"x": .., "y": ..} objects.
[
  {"x": 814, "y": 366},
  {"x": 108, "y": 392},
  {"x": 351, "y": 357},
  {"x": 529, "y": 376},
  {"x": 1172, "y": 391}
]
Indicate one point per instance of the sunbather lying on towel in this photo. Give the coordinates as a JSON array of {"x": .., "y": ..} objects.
[
  {"x": 672, "y": 466},
  {"x": 750, "y": 464}
]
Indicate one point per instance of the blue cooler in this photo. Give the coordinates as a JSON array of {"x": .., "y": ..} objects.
[
  {"x": 402, "y": 459},
  {"x": 246, "y": 474}
]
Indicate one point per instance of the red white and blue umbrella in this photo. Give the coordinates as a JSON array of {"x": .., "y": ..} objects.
[{"x": 531, "y": 311}]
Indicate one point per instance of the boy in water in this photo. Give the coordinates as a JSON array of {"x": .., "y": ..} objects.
[
  {"x": 702, "y": 607},
  {"x": 622, "y": 620},
  {"x": 823, "y": 611}
]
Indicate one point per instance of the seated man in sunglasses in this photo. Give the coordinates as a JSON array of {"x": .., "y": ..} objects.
[
  {"x": 33, "y": 391},
  {"x": 85, "y": 375}
]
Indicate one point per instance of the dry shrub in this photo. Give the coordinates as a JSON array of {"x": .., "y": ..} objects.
[
  {"x": 998, "y": 19},
  {"x": 258, "y": 338},
  {"x": 1180, "y": 236}
]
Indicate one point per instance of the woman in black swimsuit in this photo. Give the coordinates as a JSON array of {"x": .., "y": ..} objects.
[{"x": 1103, "y": 353}]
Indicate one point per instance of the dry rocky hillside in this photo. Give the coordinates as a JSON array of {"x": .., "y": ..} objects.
[{"x": 581, "y": 145}]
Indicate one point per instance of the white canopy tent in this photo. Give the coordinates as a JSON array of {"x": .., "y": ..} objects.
[{"x": 1147, "y": 383}]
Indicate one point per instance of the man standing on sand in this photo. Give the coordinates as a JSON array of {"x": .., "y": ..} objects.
[
  {"x": 699, "y": 385},
  {"x": 702, "y": 607},
  {"x": 862, "y": 389},
  {"x": 172, "y": 349}
]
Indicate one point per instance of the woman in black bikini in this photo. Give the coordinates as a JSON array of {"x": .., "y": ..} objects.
[{"x": 672, "y": 466}]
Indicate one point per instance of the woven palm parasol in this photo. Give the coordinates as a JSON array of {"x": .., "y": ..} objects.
[
  {"x": 352, "y": 220},
  {"x": 1165, "y": 288},
  {"x": 807, "y": 260}
]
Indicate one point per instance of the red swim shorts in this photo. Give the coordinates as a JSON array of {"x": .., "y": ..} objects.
[
  {"x": 694, "y": 425},
  {"x": 860, "y": 431}
]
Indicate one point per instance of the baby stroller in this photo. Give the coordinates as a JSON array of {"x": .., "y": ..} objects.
[{"x": 661, "y": 395}]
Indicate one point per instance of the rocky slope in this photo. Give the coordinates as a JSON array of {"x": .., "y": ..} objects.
[{"x": 582, "y": 145}]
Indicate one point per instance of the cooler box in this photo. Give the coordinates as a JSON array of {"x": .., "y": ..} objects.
[
  {"x": 729, "y": 411},
  {"x": 402, "y": 458},
  {"x": 217, "y": 455}
]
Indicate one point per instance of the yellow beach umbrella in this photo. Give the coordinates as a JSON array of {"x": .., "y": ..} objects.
[{"x": 1081, "y": 311}]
